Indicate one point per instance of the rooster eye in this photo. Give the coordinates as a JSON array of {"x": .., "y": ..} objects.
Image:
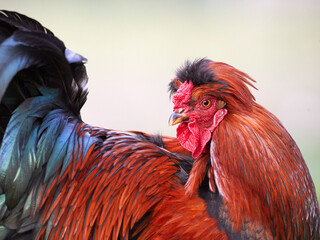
[{"x": 206, "y": 103}]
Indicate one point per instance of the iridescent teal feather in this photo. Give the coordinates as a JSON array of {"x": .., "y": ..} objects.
[{"x": 42, "y": 88}]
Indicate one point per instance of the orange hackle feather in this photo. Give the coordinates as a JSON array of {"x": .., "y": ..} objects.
[{"x": 197, "y": 174}]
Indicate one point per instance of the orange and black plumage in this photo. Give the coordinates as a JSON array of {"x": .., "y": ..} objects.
[
  {"x": 258, "y": 172},
  {"x": 63, "y": 179}
]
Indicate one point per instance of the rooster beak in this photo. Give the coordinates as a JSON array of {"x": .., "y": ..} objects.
[{"x": 176, "y": 118}]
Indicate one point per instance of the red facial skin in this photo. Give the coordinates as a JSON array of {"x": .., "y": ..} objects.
[{"x": 203, "y": 118}]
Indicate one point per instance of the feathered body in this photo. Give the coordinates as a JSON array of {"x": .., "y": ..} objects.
[
  {"x": 258, "y": 170},
  {"x": 63, "y": 179}
]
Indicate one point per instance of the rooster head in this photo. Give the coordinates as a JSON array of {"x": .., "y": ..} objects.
[{"x": 204, "y": 93}]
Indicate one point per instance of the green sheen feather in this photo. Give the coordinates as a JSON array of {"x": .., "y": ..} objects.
[
  {"x": 3, "y": 207},
  {"x": 25, "y": 170},
  {"x": 49, "y": 132},
  {"x": 20, "y": 135},
  {"x": 60, "y": 148},
  {"x": 71, "y": 150}
]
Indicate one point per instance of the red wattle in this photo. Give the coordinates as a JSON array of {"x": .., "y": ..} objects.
[{"x": 192, "y": 138}]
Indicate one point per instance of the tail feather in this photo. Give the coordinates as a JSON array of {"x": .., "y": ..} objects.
[
  {"x": 24, "y": 129},
  {"x": 19, "y": 21},
  {"x": 41, "y": 84},
  {"x": 31, "y": 57}
]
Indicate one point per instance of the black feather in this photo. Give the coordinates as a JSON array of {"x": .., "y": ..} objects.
[
  {"x": 154, "y": 139},
  {"x": 198, "y": 72},
  {"x": 19, "y": 21},
  {"x": 32, "y": 57}
]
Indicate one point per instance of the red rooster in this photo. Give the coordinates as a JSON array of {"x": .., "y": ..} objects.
[
  {"x": 261, "y": 187},
  {"x": 63, "y": 179}
]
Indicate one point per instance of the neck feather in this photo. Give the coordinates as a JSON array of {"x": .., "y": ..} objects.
[{"x": 261, "y": 174}]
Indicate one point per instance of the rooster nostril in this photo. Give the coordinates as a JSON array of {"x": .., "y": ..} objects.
[{"x": 180, "y": 110}]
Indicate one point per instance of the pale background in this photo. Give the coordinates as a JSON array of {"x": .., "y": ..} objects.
[{"x": 134, "y": 48}]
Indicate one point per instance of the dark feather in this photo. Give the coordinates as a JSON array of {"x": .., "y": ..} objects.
[
  {"x": 32, "y": 57},
  {"x": 198, "y": 72},
  {"x": 20, "y": 21}
]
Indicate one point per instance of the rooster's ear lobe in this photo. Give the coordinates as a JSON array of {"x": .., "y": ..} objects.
[{"x": 218, "y": 116}]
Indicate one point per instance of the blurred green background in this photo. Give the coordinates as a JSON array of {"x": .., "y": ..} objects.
[{"x": 134, "y": 48}]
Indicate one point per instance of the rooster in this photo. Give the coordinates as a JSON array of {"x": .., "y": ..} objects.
[
  {"x": 260, "y": 185},
  {"x": 63, "y": 179},
  {"x": 232, "y": 173}
]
